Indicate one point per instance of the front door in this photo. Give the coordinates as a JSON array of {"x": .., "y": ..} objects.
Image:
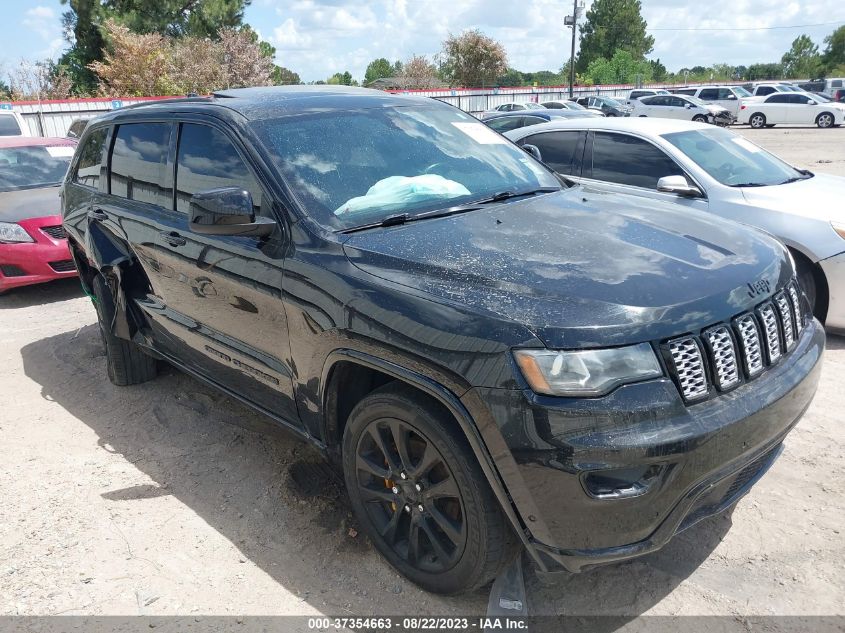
[
  {"x": 226, "y": 290},
  {"x": 627, "y": 164}
]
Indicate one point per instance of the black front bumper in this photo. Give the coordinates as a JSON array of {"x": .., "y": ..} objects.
[{"x": 708, "y": 455}]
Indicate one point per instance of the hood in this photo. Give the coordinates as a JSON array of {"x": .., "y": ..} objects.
[
  {"x": 819, "y": 197},
  {"x": 580, "y": 268},
  {"x": 29, "y": 203}
]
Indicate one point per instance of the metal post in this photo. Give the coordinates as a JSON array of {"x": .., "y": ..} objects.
[{"x": 572, "y": 53}]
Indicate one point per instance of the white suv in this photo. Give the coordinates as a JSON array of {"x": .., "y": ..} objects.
[
  {"x": 729, "y": 97},
  {"x": 12, "y": 124}
]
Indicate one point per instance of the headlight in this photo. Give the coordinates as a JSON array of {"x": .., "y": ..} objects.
[
  {"x": 839, "y": 227},
  {"x": 11, "y": 232},
  {"x": 592, "y": 372}
]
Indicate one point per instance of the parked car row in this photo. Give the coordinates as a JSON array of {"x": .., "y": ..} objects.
[{"x": 498, "y": 357}]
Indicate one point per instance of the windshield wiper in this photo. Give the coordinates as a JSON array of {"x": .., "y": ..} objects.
[
  {"x": 402, "y": 218},
  {"x": 751, "y": 184}
]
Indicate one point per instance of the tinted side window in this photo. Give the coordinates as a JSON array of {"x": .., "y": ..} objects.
[
  {"x": 836, "y": 83},
  {"x": 9, "y": 126},
  {"x": 802, "y": 99},
  {"x": 558, "y": 149},
  {"x": 765, "y": 90},
  {"x": 88, "y": 167},
  {"x": 138, "y": 163},
  {"x": 533, "y": 120},
  {"x": 778, "y": 98},
  {"x": 505, "y": 123},
  {"x": 725, "y": 93},
  {"x": 206, "y": 159},
  {"x": 710, "y": 94},
  {"x": 631, "y": 161},
  {"x": 676, "y": 102}
]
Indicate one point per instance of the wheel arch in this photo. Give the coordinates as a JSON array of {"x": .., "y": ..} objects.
[
  {"x": 822, "y": 289},
  {"x": 370, "y": 373}
]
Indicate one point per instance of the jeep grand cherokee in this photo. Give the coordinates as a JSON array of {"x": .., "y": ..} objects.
[{"x": 494, "y": 359}]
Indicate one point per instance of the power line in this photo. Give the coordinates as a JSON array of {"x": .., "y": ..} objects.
[{"x": 754, "y": 28}]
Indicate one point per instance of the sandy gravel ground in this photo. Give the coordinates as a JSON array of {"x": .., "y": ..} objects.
[{"x": 165, "y": 499}]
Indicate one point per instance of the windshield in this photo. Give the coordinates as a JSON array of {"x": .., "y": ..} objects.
[
  {"x": 571, "y": 105},
  {"x": 358, "y": 167},
  {"x": 694, "y": 100},
  {"x": 613, "y": 103},
  {"x": 733, "y": 160},
  {"x": 31, "y": 167},
  {"x": 741, "y": 92},
  {"x": 533, "y": 106}
]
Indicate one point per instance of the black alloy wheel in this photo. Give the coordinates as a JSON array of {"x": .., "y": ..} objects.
[{"x": 411, "y": 495}]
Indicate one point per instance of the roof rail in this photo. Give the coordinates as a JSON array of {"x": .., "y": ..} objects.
[{"x": 193, "y": 99}]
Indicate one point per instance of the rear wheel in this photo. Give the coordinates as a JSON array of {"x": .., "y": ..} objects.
[
  {"x": 126, "y": 362},
  {"x": 420, "y": 494},
  {"x": 757, "y": 120},
  {"x": 825, "y": 120}
]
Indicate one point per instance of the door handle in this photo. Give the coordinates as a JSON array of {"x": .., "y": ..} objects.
[
  {"x": 98, "y": 214},
  {"x": 173, "y": 238}
]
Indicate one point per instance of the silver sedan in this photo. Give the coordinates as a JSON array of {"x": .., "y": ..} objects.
[{"x": 716, "y": 171}]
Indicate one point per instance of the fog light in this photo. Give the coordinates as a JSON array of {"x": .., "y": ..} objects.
[{"x": 622, "y": 483}]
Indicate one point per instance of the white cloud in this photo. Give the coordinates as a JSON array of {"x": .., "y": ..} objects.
[
  {"x": 41, "y": 12},
  {"x": 45, "y": 23},
  {"x": 317, "y": 38}
]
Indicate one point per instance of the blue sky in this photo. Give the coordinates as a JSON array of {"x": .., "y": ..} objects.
[{"x": 319, "y": 37}]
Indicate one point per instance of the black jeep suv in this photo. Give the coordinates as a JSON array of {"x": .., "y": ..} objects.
[{"x": 496, "y": 360}]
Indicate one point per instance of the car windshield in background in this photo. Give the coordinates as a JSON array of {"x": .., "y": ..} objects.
[
  {"x": 31, "y": 167},
  {"x": 742, "y": 92},
  {"x": 733, "y": 160},
  {"x": 694, "y": 100},
  {"x": 356, "y": 168},
  {"x": 533, "y": 106},
  {"x": 611, "y": 102}
]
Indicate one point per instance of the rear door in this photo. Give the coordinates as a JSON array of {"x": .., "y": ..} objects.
[
  {"x": 225, "y": 293},
  {"x": 777, "y": 108},
  {"x": 801, "y": 110}
]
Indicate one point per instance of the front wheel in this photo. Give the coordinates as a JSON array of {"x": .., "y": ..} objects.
[
  {"x": 757, "y": 121},
  {"x": 699, "y": 118},
  {"x": 420, "y": 495},
  {"x": 824, "y": 120}
]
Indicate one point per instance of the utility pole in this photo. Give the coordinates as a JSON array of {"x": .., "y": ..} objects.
[{"x": 572, "y": 21}]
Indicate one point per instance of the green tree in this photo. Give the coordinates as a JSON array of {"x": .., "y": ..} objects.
[
  {"x": 757, "y": 72},
  {"x": 341, "y": 79},
  {"x": 378, "y": 69},
  {"x": 5, "y": 91},
  {"x": 622, "y": 68},
  {"x": 472, "y": 59},
  {"x": 613, "y": 25},
  {"x": 658, "y": 70},
  {"x": 834, "y": 52},
  {"x": 197, "y": 18},
  {"x": 512, "y": 77},
  {"x": 285, "y": 77},
  {"x": 802, "y": 60},
  {"x": 82, "y": 25}
]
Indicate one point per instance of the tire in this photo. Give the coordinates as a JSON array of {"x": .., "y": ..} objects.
[
  {"x": 699, "y": 118},
  {"x": 610, "y": 114},
  {"x": 770, "y": 124},
  {"x": 757, "y": 120},
  {"x": 825, "y": 120},
  {"x": 474, "y": 539},
  {"x": 126, "y": 362}
]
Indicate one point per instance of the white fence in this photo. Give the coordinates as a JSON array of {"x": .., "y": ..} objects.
[{"x": 53, "y": 118}]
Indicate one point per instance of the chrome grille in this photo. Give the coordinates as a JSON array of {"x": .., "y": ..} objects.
[
  {"x": 770, "y": 331},
  {"x": 723, "y": 354},
  {"x": 786, "y": 320},
  {"x": 796, "y": 308},
  {"x": 689, "y": 367},
  {"x": 749, "y": 338}
]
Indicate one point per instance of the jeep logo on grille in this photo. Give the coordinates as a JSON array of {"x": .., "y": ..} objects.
[{"x": 758, "y": 288}]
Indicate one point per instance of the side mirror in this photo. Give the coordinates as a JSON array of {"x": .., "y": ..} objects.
[
  {"x": 534, "y": 151},
  {"x": 688, "y": 106},
  {"x": 227, "y": 211},
  {"x": 679, "y": 186}
]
